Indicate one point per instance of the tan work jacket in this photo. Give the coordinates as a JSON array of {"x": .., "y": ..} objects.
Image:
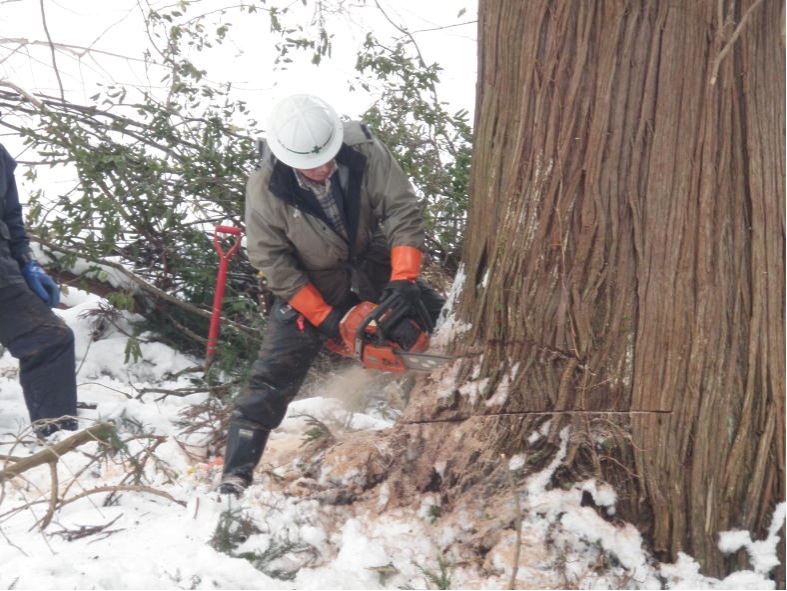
[{"x": 290, "y": 240}]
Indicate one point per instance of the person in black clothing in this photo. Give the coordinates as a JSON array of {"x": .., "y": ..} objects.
[{"x": 32, "y": 333}]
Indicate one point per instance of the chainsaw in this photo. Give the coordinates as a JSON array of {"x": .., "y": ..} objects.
[{"x": 387, "y": 337}]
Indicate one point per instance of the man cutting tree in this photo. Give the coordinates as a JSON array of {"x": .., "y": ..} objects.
[{"x": 331, "y": 221}]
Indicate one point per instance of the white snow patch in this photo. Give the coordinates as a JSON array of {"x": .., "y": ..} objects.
[
  {"x": 603, "y": 494},
  {"x": 762, "y": 553},
  {"x": 537, "y": 483},
  {"x": 172, "y": 541},
  {"x": 473, "y": 389},
  {"x": 517, "y": 462},
  {"x": 543, "y": 431}
]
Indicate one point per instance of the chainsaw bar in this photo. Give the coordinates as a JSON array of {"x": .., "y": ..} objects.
[{"x": 421, "y": 361}]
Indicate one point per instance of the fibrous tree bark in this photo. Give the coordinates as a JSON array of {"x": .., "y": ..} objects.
[{"x": 624, "y": 264}]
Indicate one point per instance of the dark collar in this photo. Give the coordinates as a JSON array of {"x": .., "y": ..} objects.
[{"x": 283, "y": 185}]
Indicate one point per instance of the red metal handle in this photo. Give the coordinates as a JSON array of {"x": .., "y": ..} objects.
[
  {"x": 221, "y": 280},
  {"x": 217, "y": 244}
]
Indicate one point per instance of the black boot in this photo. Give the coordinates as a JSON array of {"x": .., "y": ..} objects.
[
  {"x": 43, "y": 428},
  {"x": 245, "y": 444}
]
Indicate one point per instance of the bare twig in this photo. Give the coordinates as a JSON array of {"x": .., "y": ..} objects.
[
  {"x": 52, "y": 495},
  {"x": 100, "y": 432},
  {"x": 171, "y": 392},
  {"x": 52, "y": 50},
  {"x": 76, "y": 50},
  {"x": 122, "y": 488},
  {"x": 10, "y": 543},
  {"x": 144, "y": 285},
  {"x": 22, "y": 92},
  {"x": 88, "y": 530},
  {"x": 126, "y": 394},
  {"x": 517, "y": 523}
]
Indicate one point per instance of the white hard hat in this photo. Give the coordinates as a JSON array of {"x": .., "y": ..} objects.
[{"x": 304, "y": 131}]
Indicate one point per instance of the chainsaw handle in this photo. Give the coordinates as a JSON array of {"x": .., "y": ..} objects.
[
  {"x": 359, "y": 333},
  {"x": 397, "y": 309},
  {"x": 388, "y": 313},
  {"x": 228, "y": 230},
  {"x": 424, "y": 317}
]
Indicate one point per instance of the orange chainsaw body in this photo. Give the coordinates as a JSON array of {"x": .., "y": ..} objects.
[{"x": 360, "y": 339}]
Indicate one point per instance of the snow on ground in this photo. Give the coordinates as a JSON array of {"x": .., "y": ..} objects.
[{"x": 168, "y": 529}]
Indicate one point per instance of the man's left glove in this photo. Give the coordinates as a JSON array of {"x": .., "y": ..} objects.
[
  {"x": 41, "y": 283},
  {"x": 405, "y": 268},
  {"x": 402, "y": 291}
]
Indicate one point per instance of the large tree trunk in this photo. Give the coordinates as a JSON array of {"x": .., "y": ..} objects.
[{"x": 625, "y": 256}]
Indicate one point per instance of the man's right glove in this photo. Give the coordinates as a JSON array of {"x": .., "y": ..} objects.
[
  {"x": 41, "y": 283},
  {"x": 324, "y": 317},
  {"x": 330, "y": 326}
]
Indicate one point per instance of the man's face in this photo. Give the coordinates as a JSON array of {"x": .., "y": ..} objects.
[{"x": 319, "y": 174}]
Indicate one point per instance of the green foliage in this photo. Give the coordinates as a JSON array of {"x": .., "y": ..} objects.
[
  {"x": 435, "y": 512},
  {"x": 235, "y": 527},
  {"x": 311, "y": 37},
  {"x": 133, "y": 350},
  {"x": 432, "y": 145},
  {"x": 441, "y": 580},
  {"x": 265, "y": 561},
  {"x": 154, "y": 177},
  {"x": 121, "y": 300},
  {"x": 156, "y": 172},
  {"x": 316, "y": 431}
]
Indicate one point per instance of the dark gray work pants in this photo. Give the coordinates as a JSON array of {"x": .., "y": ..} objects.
[
  {"x": 44, "y": 346},
  {"x": 289, "y": 347}
]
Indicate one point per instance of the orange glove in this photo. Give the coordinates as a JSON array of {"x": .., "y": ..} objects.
[
  {"x": 309, "y": 302},
  {"x": 405, "y": 263},
  {"x": 405, "y": 268}
]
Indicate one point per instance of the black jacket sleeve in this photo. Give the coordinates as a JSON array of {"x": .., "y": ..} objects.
[{"x": 12, "y": 211}]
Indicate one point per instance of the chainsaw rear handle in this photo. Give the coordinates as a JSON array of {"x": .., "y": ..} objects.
[
  {"x": 373, "y": 333},
  {"x": 361, "y": 331},
  {"x": 395, "y": 310}
]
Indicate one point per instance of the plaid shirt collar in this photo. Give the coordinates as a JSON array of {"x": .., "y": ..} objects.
[
  {"x": 319, "y": 189},
  {"x": 324, "y": 194}
]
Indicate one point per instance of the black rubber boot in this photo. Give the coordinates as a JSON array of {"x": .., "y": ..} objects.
[
  {"x": 43, "y": 428},
  {"x": 245, "y": 444}
]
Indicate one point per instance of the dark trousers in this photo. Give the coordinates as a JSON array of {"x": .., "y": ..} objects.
[
  {"x": 44, "y": 346},
  {"x": 289, "y": 347}
]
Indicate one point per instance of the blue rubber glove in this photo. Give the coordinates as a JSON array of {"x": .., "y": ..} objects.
[{"x": 41, "y": 283}]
